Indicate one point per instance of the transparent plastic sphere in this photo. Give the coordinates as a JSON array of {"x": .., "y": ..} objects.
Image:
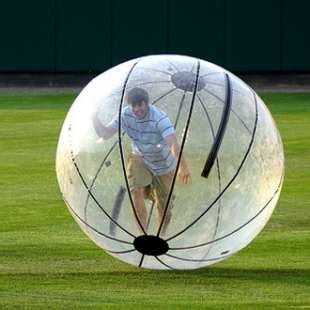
[{"x": 225, "y": 137}]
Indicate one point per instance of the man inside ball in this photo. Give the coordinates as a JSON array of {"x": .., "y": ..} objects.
[{"x": 155, "y": 153}]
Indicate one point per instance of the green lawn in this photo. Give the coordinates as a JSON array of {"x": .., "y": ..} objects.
[{"x": 47, "y": 262}]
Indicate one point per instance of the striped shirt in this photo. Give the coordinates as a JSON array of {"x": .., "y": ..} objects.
[{"x": 148, "y": 138}]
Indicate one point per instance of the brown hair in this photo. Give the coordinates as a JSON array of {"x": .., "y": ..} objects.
[{"x": 137, "y": 95}]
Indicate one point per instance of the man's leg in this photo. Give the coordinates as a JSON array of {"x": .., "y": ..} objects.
[
  {"x": 139, "y": 178},
  {"x": 162, "y": 185},
  {"x": 160, "y": 214},
  {"x": 138, "y": 194}
]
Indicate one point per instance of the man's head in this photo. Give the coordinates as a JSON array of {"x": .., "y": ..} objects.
[{"x": 138, "y": 99}]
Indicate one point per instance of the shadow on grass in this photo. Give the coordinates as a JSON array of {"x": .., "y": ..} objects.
[
  {"x": 281, "y": 275},
  {"x": 201, "y": 276}
]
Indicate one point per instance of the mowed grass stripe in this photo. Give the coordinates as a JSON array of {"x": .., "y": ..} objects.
[{"x": 47, "y": 262}]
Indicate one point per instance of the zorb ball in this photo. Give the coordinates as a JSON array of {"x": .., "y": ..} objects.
[{"x": 225, "y": 135}]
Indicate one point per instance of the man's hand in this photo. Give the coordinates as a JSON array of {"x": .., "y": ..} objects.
[
  {"x": 184, "y": 174},
  {"x": 104, "y": 132},
  {"x": 183, "y": 171}
]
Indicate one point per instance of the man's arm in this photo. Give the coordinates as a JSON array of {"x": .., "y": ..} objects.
[
  {"x": 102, "y": 131},
  {"x": 183, "y": 172}
]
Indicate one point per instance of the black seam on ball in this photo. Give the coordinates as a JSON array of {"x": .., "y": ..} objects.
[
  {"x": 97, "y": 202},
  {"x": 228, "y": 184},
  {"x": 121, "y": 252},
  {"x": 237, "y": 229},
  {"x": 173, "y": 65},
  {"x": 91, "y": 227},
  {"x": 96, "y": 176},
  {"x": 179, "y": 110},
  {"x": 199, "y": 260},
  {"x": 163, "y": 263},
  {"x": 89, "y": 193},
  {"x": 232, "y": 110},
  {"x": 181, "y": 151},
  {"x": 109, "y": 153},
  {"x": 141, "y": 261},
  {"x": 164, "y": 95},
  {"x": 121, "y": 147},
  {"x": 152, "y": 82},
  {"x": 217, "y": 168},
  {"x": 155, "y": 70}
]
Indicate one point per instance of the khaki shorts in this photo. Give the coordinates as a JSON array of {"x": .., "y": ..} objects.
[{"x": 157, "y": 186}]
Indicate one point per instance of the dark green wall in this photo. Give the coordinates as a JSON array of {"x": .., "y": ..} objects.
[
  {"x": 27, "y": 32},
  {"x": 295, "y": 35},
  {"x": 138, "y": 28},
  {"x": 93, "y": 35},
  {"x": 197, "y": 28},
  {"x": 82, "y": 35},
  {"x": 253, "y": 35}
]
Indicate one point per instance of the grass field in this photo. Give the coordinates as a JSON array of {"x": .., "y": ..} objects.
[{"x": 47, "y": 262}]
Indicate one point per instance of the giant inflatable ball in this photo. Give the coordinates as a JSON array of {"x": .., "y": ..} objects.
[{"x": 224, "y": 134}]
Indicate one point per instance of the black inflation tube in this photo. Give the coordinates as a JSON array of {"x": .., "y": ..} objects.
[{"x": 221, "y": 130}]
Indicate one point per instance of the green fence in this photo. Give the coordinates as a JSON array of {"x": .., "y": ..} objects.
[{"x": 93, "y": 35}]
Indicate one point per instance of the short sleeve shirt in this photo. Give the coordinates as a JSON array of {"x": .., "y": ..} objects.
[{"x": 148, "y": 138}]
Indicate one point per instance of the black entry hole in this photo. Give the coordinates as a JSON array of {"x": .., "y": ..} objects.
[{"x": 150, "y": 245}]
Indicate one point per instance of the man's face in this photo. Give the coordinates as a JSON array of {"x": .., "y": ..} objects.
[{"x": 140, "y": 109}]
